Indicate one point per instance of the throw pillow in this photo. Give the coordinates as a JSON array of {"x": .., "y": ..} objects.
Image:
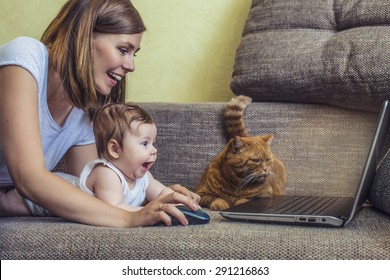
[{"x": 330, "y": 52}]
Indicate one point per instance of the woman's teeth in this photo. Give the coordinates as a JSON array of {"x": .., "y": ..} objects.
[{"x": 115, "y": 76}]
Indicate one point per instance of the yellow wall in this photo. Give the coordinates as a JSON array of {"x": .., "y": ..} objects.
[{"x": 187, "y": 52}]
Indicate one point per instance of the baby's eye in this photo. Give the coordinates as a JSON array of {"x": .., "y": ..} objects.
[{"x": 145, "y": 143}]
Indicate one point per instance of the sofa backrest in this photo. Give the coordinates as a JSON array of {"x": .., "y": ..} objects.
[{"x": 323, "y": 147}]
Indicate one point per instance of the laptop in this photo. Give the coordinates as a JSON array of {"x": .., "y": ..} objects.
[{"x": 312, "y": 210}]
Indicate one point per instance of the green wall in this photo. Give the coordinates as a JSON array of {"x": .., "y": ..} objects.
[{"x": 187, "y": 52}]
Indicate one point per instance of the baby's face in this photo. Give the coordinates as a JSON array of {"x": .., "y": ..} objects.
[{"x": 138, "y": 153}]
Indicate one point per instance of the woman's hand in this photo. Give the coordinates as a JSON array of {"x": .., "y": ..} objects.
[{"x": 161, "y": 208}]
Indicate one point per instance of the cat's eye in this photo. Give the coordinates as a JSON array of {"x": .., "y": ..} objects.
[{"x": 255, "y": 160}]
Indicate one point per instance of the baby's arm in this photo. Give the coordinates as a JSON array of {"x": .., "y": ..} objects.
[
  {"x": 106, "y": 185},
  {"x": 155, "y": 188}
]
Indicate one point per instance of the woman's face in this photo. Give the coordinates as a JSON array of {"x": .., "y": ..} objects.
[{"x": 113, "y": 58}]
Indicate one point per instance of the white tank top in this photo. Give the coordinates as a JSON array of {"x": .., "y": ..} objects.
[{"x": 32, "y": 55}]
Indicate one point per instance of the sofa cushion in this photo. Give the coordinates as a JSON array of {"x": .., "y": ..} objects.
[{"x": 331, "y": 52}]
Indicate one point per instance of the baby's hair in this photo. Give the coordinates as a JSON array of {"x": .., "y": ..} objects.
[{"x": 113, "y": 120}]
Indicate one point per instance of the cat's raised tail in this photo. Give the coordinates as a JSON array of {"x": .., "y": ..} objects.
[{"x": 234, "y": 116}]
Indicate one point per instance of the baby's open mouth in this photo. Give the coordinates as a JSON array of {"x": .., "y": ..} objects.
[{"x": 147, "y": 165}]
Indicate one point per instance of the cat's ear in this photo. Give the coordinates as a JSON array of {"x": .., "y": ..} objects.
[
  {"x": 267, "y": 138},
  {"x": 236, "y": 144}
]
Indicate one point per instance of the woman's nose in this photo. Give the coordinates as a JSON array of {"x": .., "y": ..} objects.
[{"x": 128, "y": 64}]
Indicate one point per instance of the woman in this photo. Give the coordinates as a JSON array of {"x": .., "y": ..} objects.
[{"x": 49, "y": 93}]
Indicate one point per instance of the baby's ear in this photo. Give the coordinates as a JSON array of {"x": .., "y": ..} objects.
[{"x": 113, "y": 148}]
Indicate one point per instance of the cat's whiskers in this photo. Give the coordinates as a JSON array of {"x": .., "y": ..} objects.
[
  {"x": 249, "y": 178},
  {"x": 246, "y": 181}
]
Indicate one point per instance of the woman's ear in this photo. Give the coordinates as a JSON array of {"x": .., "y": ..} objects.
[{"x": 113, "y": 148}]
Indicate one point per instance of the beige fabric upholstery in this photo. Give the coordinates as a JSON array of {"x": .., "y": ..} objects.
[
  {"x": 323, "y": 148},
  {"x": 332, "y": 52}
]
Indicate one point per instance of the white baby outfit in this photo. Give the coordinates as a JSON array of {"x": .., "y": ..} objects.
[{"x": 134, "y": 197}]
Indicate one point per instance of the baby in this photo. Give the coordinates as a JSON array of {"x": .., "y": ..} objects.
[{"x": 125, "y": 135}]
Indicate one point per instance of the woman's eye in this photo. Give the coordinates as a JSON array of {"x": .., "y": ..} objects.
[{"x": 123, "y": 50}]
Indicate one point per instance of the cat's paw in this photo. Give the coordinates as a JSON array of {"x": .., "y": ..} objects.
[
  {"x": 241, "y": 200},
  {"x": 219, "y": 204}
]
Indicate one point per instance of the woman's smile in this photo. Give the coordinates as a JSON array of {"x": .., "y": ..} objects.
[{"x": 114, "y": 78}]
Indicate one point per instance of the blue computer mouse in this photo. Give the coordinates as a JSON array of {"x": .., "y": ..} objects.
[{"x": 197, "y": 217}]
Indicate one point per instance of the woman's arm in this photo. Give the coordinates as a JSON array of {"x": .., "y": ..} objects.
[
  {"x": 22, "y": 148},
  {"x": 78, "y": 156}
]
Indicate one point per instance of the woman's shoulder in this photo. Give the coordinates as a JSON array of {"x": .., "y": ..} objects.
[
  {"x": 22, "y": 48},
  {"x": 24, "y": 40},
  {"x": 28, "y": 53}
]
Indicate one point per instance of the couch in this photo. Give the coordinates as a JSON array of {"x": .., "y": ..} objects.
[
  {"x": 322, "y": 146},
  {"x": 317, "y": 82}
]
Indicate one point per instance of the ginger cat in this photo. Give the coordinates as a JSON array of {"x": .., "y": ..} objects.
[{"x": 245, "y": 169}]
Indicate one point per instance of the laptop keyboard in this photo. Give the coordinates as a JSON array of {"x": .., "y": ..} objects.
[{"x": 310, "y": 205}]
